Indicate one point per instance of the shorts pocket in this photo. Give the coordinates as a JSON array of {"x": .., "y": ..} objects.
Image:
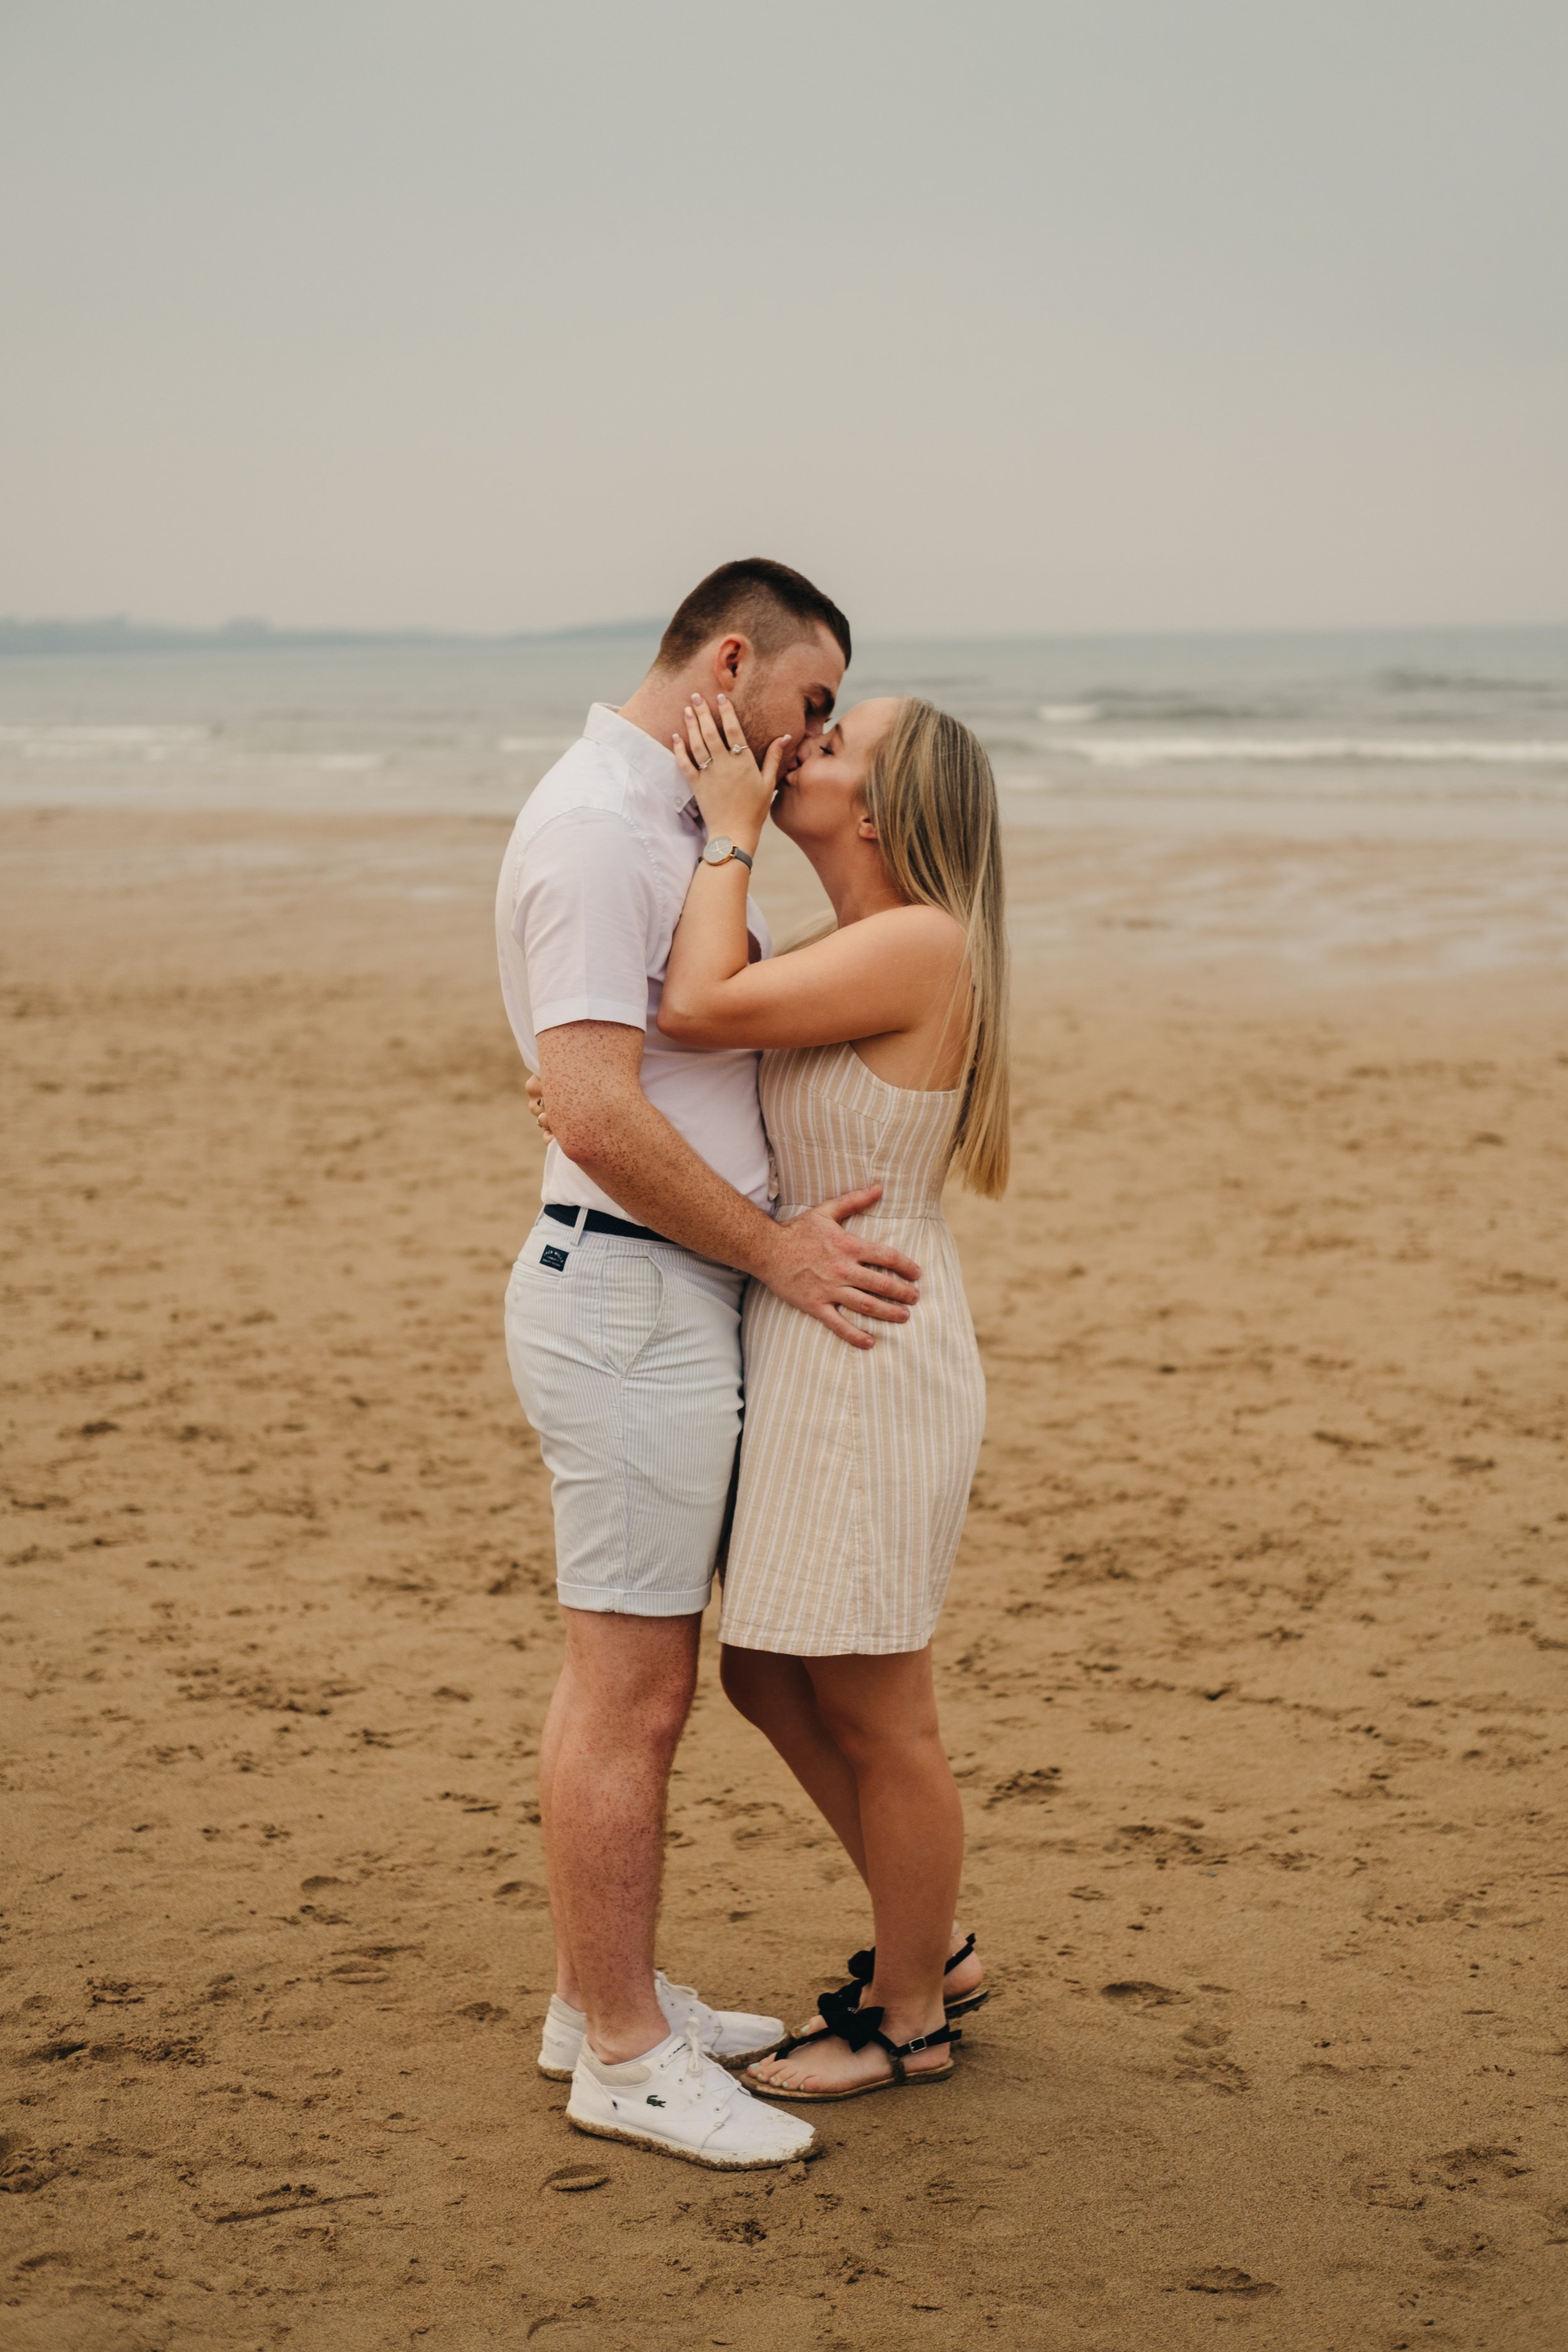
[{"x": 631, "y": 1296}]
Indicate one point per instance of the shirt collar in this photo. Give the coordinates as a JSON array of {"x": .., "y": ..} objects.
[{"x": 650, "y": 760}]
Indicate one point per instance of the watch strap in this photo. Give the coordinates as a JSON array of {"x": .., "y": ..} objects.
[{"x": 743, "y": 854}]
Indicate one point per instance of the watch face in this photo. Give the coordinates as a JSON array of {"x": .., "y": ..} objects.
[{"x": 718, "y": 849}]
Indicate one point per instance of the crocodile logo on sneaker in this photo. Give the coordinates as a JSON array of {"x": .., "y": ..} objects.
[{"x": 652, "y": 2101}]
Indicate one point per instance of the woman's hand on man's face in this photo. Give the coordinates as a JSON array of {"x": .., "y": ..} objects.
[{"x": 733, "y": 794}]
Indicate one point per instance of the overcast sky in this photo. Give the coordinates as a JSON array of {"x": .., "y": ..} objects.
[{"x": 993, "y": 314}]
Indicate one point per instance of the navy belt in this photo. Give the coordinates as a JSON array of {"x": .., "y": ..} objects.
[{"x": 596, "y": 1222}]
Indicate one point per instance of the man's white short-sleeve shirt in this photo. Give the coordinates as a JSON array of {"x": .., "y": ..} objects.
[{"x": 591, "y": 889}]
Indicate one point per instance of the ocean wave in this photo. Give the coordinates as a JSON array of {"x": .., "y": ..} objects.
[
  {"x": 1462, "y": 681},
  {"x": 92, "y": 742},
  {"x": 1154, "y": 706},
  {"x": 1311, "y": 751}
]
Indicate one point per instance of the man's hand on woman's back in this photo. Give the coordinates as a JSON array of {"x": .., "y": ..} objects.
[
  {"x": 588, "y": 1097},
  {"x": 816, "y": 1265}
]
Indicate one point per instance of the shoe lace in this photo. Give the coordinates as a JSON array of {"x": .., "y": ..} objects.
[
  {"x": 700, "y": 2067},
  {"x": 696, "y": 2007}
]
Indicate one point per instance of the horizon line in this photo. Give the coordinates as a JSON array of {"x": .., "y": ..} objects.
[{"x": 120, "y": 632}]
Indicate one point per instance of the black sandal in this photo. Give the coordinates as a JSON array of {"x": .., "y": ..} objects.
[
  {"x": 862, "y": 1968},
  {"x": 857, "y": 2027}
]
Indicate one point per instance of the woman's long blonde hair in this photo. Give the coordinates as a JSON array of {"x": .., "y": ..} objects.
[{"x": 932, "y": 797}]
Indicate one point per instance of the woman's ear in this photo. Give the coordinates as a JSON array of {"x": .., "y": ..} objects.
[{"x": 865, "y": 830}]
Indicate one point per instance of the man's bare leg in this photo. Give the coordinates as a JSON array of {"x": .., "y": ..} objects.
[
  {"x": 610, "y": 1738},
  {"x": 566, "y": 1985}
]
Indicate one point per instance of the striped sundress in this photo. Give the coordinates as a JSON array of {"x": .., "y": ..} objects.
[{"x": 855, "y": 1465}]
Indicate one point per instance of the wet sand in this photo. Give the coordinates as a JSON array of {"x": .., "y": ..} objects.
[{"x": 1253, "y": 1666}]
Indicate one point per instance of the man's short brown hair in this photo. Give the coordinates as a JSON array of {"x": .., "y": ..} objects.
[{"x": 765, "y": 601}]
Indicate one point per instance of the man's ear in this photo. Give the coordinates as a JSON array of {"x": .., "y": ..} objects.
[{"x": 729, "y": 654}]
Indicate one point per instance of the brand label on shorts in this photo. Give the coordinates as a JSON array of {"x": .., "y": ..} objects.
[{"x": 552, "y": 1257}]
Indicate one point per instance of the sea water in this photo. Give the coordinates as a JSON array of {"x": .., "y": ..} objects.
[
  {"x": 1182, "y": 755},
  {"x": 1358, "y": 719}
]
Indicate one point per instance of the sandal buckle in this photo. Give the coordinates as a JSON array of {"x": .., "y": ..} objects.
[{"x": 923, "y": 2043}]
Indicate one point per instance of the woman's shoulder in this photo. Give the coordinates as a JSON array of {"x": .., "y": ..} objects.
[{"x": 920, "y": 929}]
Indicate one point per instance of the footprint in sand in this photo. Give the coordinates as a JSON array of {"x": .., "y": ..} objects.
[
  {"x": 1026, "y": 1788},
  {"x": 1135, "y": 1993},
  {"x": 24, "y": 2168},
  {"x": 1213, "y": 2071},
  {"x": 1220, "y": 2280},
  {"x": 1486, "y": 2169}
]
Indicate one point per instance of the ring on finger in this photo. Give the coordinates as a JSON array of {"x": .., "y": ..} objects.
[{"x": 702, "y": 765}]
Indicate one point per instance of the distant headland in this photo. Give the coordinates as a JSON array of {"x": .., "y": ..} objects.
[{"x": 115, "y": 633}]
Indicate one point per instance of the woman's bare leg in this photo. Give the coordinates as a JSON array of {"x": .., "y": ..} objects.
[
  {"x": 777, "y": 1695},
  {"x": 881, "y": 1715}
]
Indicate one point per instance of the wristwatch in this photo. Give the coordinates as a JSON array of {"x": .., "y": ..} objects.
[{"x": 721, "y": 849}]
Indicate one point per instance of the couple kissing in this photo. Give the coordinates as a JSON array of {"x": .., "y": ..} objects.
[{"x": 742, "y": 1206}]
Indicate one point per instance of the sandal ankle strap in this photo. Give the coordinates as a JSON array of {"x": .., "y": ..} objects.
[
  {"x": 862, "y": 1966},
  {"x": 942, "y": 2036},
  {"x": 938, "y": 2038}
]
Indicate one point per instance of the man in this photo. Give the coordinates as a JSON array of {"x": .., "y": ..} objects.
[{"x": 623, "y": 1330}]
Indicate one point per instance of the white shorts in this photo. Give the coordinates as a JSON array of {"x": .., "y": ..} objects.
[{"x": 627, "y": 1356}]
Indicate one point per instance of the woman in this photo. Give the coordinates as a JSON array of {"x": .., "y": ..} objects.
[{"x": 885, "y": 1059}]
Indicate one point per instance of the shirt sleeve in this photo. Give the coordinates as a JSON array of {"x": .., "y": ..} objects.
[{"x": 586, "y": 920}]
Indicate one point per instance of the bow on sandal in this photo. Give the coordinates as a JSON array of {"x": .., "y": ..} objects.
[
  {"x": 858, "y": 2027},
  {"x": 862, "y": 1967}
]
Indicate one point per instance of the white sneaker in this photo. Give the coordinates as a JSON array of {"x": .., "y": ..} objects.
[
  {"x": 733, "y": 2036},
  {"x": 675, "y": 2101}
]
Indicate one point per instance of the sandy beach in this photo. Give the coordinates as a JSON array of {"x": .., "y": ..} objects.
[{"x": 1253, "y": 1666}]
